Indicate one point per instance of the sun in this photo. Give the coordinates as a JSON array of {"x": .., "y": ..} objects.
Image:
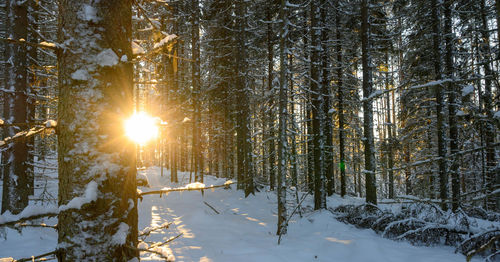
[{"x": 141, "y": 128}]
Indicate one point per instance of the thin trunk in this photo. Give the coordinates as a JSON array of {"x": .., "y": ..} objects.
[
  {"x": 327, "y": 116},
  {"x": 368, "y": 138},
  {"x": 452, "y": 105},
  {"x": 195, "y": 76},
  {"x": 317, "y": 109},
  {"x": 270, "y": 115},
  {"x": 438, "y": 94},
  {"x": 282, "y": 142},
  {"x": 492, "y": 174},
  {"x": 340, "y": 109}
]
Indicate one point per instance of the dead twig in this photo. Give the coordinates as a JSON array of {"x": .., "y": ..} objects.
[
  {"x": 167, "y": 241},
  {"x": 148, "y": 231},
  {"x": 211, "y": 207}
]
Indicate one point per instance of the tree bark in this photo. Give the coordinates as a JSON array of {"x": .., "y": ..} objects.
[
  {"x": 368, "y": 138},
  {"x": 438, "y": 94},
  {"x": 452, "y": 105},
  {"x": 340, "y": 107},
  {"x": 96, "y": 161},
  {"x": 195, "y": 71},
  {"x": 16, "y": 180},
  {"x": 318, "y": 117},
  {"x": 282, "y": 142}
]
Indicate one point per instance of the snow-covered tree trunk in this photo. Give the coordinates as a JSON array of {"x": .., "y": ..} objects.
[
  {"x": 97, "y": 183},
  {"x": 282, "y": 141},
  {"x": 438, "y": 94},
  {"x": 195, "y": 71},
  {"x": 245, "y": 176},
  {"x": 16, "y": 181},
  {"x": 270, "y": 134},
  {"x": 492, "y": 173},
  {"x": 452, "y": 105},
  {"x": 318, "y": 117},
  {"x": 340, "y": 98},
  {"x": 368, "y": 139},
  {"x": 325, "y": 93}
]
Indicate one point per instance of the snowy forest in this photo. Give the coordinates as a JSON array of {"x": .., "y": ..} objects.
[{"x": 250, "y": 130}]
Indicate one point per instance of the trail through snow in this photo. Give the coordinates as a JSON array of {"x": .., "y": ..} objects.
[{"x": 244, "y": 230}]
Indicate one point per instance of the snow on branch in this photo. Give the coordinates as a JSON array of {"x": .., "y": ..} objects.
[
  {"x": 35, "y": 212},
  {"x": 42, "y": 257},
  {"x": 148, "y": 230},
  {"x": 189, "y": 187},
  {"x": 50, "y": 124},
  {"x": 45, "y": 45}
]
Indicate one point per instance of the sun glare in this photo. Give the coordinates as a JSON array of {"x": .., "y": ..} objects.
[{"x": 141, "y": 128}]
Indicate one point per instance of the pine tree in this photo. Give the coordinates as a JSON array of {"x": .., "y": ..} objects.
[{"x": 96, "y": 163}]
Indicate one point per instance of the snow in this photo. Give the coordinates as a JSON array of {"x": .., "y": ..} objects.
[
  {"x": 80, "y": 74},
  {"x": 88, "y": 13},
  {"x": 27, "y": 212},
  {"x": 467, "y": 90},
  {"x": 497, "y": 115},
  {"x": 244, "y": 229},
  {"x": 47, "y": 44},
  {"x": 50, "y": 123},
  {"x": 89, "y": 196},
  {"x": 107, "y": 58},
  {"x": 120, "y": 237},
  {"x": 165, "y": 40},
  {"x": 137, "y": 49},
  {"x": 195, "y": 185}
]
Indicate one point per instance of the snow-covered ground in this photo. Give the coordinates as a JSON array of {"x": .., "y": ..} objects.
[{"x": 244, "y": 230}]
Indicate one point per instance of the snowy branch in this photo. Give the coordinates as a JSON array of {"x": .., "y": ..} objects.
[
  {"x": 187, "y": 188},
  {"x": 27, "y": 133},
  {"x": 44, "y": 45}
]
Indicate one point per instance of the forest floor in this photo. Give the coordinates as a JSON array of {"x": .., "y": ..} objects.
[{"x": 242, "y": 230}]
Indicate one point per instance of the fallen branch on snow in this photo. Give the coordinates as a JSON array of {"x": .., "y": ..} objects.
[{"x": 165, "y": 191}]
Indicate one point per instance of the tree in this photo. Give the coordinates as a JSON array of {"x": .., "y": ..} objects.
[
  {"x": 16, "y": 179},
  {"x": 195, "y": 46},
  {"x": 96, "y": 162},
  {"x": 368, "y": 139},
  {"x": 318, "y": 117},
  {"x": 438, "y": 94},
  {"x": 452, "y": 104},
  {"x": 282, "y": 131}
]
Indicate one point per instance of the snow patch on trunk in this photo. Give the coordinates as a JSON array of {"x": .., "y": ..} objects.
[
  {"x": 107, "y": 58},
  {"x": 77, "y": 202},
  {"x": 120, "y": 237}
]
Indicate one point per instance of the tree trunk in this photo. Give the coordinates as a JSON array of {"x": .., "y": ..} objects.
[
  {"x": 96, "y": 162},
  {"x": 438, "y": 94},
  {"x": 282, "y": 142},
  {"x": 492, "y": 174},
  {"x": 317, "y": 109},
  {"x": 340, "y": 109},
  {"x": 16, "y": 180},
  {"x": 270, "y": 114},
  {"x": 452, "y": 105},
  {"x": 368, "y": 139},
  {"x": 195, "y": 71}
]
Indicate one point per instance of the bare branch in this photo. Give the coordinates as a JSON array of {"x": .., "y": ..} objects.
[{"x": 161, "y": 192}]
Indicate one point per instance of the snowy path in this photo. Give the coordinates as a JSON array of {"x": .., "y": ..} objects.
[{"x": 245, "y": 230}]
